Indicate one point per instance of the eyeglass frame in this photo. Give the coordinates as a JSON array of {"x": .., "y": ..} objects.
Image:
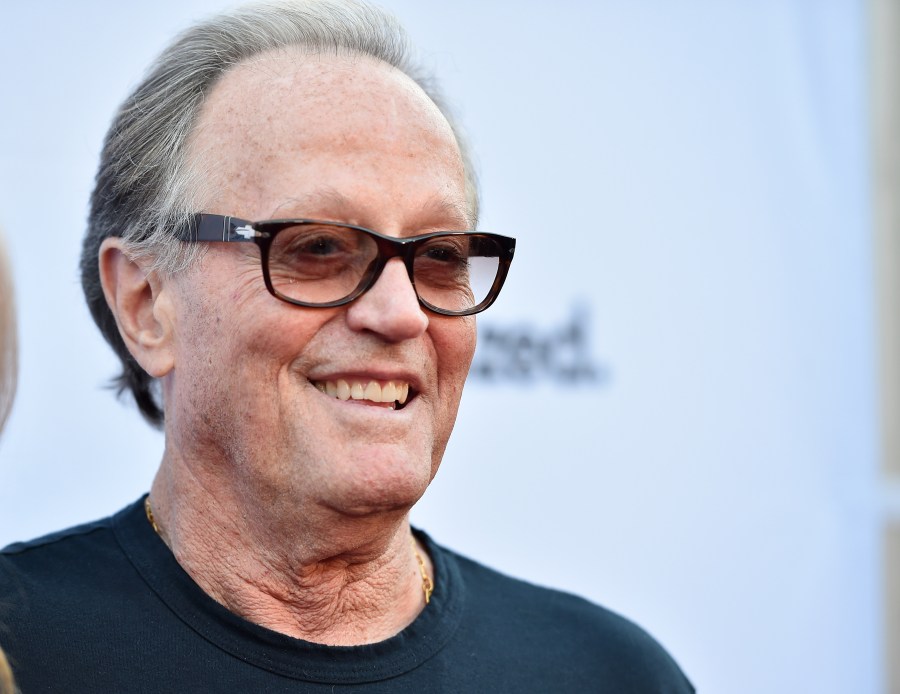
[{"x": 203, "y": 226}]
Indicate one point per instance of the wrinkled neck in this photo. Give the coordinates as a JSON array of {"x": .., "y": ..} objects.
[{"x": 318, "y": 575}]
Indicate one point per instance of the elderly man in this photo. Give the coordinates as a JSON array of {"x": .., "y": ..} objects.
[{"x": 307, "y": 370}]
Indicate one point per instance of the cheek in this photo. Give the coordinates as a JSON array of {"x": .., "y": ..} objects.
[
  {"x": 240, "y": 342},
  {"x": 454, "y": 340},
  {"x": 454, "y": 343}
]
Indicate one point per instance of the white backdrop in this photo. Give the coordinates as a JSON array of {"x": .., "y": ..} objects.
[{"x": 675, "y": 415}]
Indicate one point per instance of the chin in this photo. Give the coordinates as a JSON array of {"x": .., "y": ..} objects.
[
  {"x": 368, "y": 505},
  {"x": 390, "y": 486}
]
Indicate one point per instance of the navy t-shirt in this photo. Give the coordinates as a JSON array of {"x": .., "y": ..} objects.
[{"x": 105, "y": 607}]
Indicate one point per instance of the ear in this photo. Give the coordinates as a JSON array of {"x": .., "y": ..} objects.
[{"x": 140, "y": 303}]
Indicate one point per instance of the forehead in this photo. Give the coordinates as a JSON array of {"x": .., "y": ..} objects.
[{"x": 277, "y": 129}]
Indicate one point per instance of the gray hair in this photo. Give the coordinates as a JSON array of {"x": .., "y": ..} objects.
[{"x": 145, "y": 187}]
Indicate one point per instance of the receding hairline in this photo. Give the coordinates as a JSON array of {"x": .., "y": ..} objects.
[
  {"x": 300, "y": 57},
  {"x": 295, "y": 58}
]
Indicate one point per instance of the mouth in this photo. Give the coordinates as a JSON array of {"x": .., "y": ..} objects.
[{"x": 393, "y": 395}]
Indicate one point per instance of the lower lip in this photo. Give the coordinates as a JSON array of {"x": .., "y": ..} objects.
[{"x": 382, "y": 405}]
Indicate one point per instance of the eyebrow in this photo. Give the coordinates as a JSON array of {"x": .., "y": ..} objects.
[
  {"x": 343, "y": 209},
  {"x": 448, "y": 207},
  {"x": 329, "y": 197}
]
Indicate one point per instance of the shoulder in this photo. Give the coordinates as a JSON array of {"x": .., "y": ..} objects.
[
  {"x": 40, "y": 576},
  {"x": 57, "y": 541},
  {"x": 552, "y": 626},
  {"x": 74, "y": 547}
]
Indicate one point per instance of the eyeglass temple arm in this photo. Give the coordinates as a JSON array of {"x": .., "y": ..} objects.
[{"x": 215, "y": 227}]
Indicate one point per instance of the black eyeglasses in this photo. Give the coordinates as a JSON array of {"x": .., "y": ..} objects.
[{"x": 325, "y": 264}]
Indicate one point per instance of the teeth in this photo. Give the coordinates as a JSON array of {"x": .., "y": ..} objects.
[{"x": 372, "y": 391}]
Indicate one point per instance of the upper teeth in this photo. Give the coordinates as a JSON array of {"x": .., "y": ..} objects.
[{"x": 389, "y": 391}]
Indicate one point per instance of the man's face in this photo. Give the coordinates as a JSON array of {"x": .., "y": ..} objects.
[{"x": 340, "y": 139}]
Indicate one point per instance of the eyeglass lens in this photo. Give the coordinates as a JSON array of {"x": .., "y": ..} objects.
[{"x": 318, "y": 264}]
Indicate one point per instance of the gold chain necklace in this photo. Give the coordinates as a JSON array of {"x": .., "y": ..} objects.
[
  {"x": 150, "y": 517},
  {"x": 427, "y": 583}
]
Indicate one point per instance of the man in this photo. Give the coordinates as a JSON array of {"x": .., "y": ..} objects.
[{"x": 307, "y": 373}]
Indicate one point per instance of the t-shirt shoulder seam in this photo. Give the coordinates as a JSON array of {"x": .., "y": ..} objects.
[{"x": 55, "y": 538}]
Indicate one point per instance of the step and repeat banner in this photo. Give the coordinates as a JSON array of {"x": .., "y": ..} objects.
[{"x": 672, "y": 406}]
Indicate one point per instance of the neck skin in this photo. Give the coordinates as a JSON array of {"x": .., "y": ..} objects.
[{"x": 323, "y": 577}]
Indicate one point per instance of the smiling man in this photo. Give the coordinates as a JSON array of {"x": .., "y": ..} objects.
[{"x": 279, "y": 252}]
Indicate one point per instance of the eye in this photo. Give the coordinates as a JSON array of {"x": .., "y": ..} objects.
[
  {"x": 335, "y": 255},
  {"x": 444, "y": 254},
  {"x": 315, "y": 242},
  {"x": 442, "y": 265},
  {"x": 444, "y": 250}
]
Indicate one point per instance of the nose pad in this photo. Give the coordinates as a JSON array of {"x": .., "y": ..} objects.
[{"x": 390, "y": 307}]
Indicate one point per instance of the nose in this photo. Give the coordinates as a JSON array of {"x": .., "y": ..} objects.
[{"x": 390, "y": 308}]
